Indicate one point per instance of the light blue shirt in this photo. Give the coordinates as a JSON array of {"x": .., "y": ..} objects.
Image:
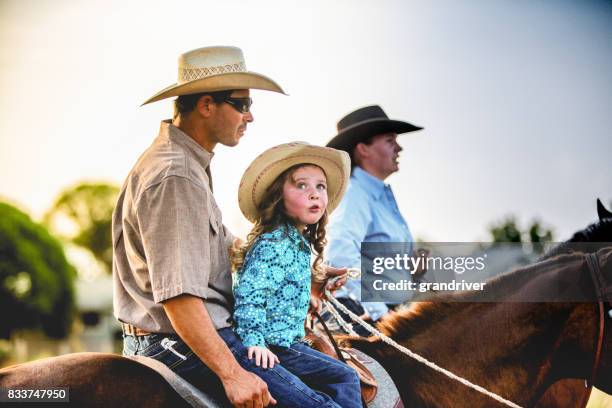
[{"x": 367, "y": 213}]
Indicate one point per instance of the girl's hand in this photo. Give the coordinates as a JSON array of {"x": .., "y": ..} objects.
[
  {"x": 331, "y": 279},
  {"x": 315, "y": 304},
  {"x": 263, "y": 356}
]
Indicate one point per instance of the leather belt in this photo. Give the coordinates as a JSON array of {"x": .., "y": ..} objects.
[{"x": 133, "y": 330}]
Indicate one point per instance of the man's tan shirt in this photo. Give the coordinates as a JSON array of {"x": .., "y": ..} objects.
[{"x": 168, "y": 238}]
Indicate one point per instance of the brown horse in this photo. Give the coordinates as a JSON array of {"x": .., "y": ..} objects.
[
  {"x": 94, "y": 380},
  {"x": 516, "y": 350}
]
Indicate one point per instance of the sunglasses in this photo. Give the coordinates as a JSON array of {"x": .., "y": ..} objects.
[{"x": 242, "y": 105}]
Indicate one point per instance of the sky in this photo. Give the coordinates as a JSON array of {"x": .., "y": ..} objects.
[{"x": 515, "y": 97}]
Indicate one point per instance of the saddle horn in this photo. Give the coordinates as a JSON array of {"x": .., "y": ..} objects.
[{"x": 602, "y": 212}]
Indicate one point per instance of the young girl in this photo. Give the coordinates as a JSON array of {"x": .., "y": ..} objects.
[{"x": 288, "y": 192}]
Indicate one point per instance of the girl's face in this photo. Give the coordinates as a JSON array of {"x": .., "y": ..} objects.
[{"x": 305, "y": 195}]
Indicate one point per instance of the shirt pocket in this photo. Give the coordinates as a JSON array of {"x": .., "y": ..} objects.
[
  {"x": 219, "y": 255},
  {"x": 215, "y": 224}
]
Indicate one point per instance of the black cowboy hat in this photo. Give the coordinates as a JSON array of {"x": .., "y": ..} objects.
[{"x": 363, "y": 123}]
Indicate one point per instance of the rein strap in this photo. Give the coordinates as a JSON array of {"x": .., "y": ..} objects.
[{"x": 602, "y": 293}]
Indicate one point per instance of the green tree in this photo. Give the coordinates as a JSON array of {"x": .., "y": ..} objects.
[
  {"x": 36, "y": 280},
  {"x": 539, "y": 236},
  {"x": 508, "y": 231},
  {"x": 82, "y": 215}
]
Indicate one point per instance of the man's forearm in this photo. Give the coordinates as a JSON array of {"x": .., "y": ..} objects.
[{"x": 192, "y": 323}]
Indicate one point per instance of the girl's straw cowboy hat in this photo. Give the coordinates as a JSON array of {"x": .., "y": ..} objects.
[
  {"x": 270, "y": 164},
  {"x": 212, "y": 69}
]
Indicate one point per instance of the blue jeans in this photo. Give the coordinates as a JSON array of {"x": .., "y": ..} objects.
[
  {"x": 321, "y": 372},
  {"x": 335, "y": 384}
]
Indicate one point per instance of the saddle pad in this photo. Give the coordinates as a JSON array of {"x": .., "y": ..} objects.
[
  {"x": 194, "y": 397},
  {"x": 387, "y": 395}
]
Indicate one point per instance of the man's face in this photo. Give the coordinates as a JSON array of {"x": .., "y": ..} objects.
[
  {"x": 230, "y": 124},
  {"x": 383, "y": 154}
]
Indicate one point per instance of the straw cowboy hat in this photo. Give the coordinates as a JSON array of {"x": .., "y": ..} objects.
[
  {"x": 270, "y": 164},
  {"x": 212, "y": 69},
  {"x": 366, "y": 122}
]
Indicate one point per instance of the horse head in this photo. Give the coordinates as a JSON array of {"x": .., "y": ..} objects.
[
  {"x": 593, "y": 235},
  {"x": 600, "y": 231}
]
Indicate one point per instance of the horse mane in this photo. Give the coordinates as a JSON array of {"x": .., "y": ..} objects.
[
  {"x": 597, "y": 232},
  {"x": 408, "y": 320}
]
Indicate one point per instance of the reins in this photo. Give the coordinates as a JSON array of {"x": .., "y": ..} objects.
[
  {"x": 336, "y": 347},
  {"x": 410, "y": 353},
  {"x": 603, "y": 291}
]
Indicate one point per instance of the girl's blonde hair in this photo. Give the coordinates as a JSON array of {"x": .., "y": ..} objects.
[{"x": 271, "y": 214}]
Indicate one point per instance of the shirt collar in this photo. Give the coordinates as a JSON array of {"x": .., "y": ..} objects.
[
  {"x": 170, "y": 132},
  {"x": 293, "y": 234},
  {"x": 372, "y": 185}
]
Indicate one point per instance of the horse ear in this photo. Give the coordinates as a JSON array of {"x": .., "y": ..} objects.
[{"x": 602, "y": 212}]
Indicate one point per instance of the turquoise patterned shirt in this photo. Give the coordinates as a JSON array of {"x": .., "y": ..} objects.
[{"x": 273, "y": 289}]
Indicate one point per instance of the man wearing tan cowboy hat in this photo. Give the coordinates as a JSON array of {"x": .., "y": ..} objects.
[
  {"x": 368, "y": 212},
  {"x": 171, "y": 270}
]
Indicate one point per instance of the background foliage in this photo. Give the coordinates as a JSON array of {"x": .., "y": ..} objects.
[
  {"x": 82, "y": 215},
  {"x": 36, "y": 280}
]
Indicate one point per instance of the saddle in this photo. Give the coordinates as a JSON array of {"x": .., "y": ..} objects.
[{"x": 355, "y": 359}]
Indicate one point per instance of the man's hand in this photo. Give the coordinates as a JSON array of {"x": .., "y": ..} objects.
[
  {"x": 263, "y": 356},
  {"x": 245, "y": 389},
  {"x": 192, "y": 323}
]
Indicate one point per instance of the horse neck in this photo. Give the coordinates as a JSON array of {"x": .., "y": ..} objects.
[
  {"x": 588, "y": 240},
  {"x": 516, "y": 350}
]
